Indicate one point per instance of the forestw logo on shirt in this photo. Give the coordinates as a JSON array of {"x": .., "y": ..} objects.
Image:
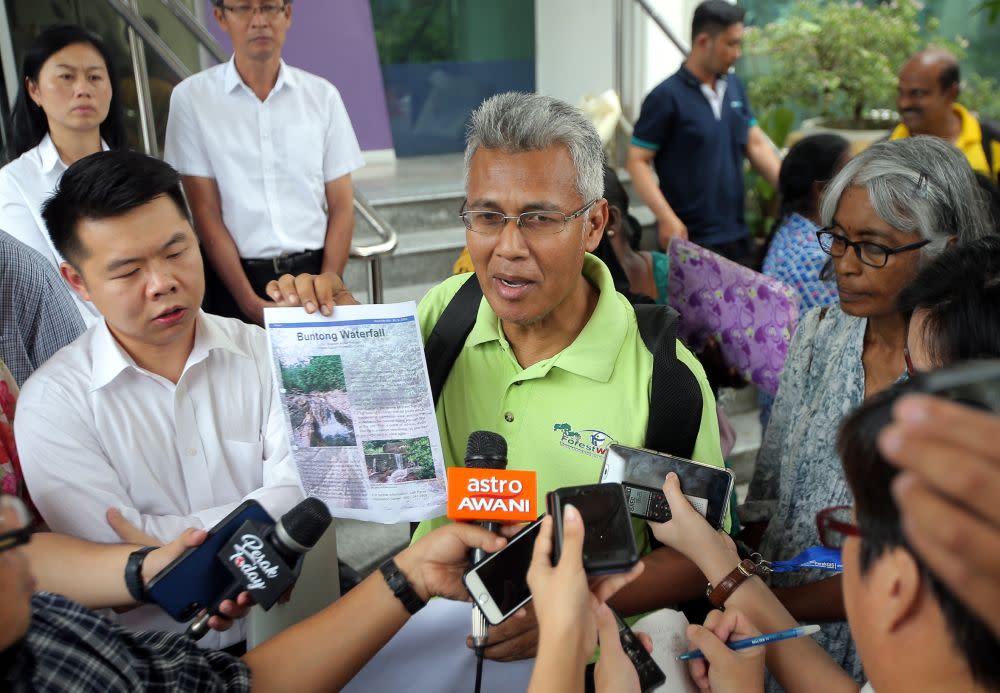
[{"x": 589, "y": 441}]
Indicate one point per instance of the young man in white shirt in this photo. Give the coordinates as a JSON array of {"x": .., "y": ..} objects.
[
  {"x": 265, "y": 151},
  {"x": 160, "y": 410}
]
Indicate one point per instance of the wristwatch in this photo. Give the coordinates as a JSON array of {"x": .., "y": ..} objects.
[
  {"x": 133, "y": 573},
  {"x": 740, "y": 574},
  {"x": 401, "y": 587}
]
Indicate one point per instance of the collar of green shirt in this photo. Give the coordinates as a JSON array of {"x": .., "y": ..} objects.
[{"x": 593, "y": 353}]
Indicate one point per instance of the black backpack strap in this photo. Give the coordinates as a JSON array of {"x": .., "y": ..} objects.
[
  {"x": 450, "y": 332},
  {"x": 675, "y": 400}
]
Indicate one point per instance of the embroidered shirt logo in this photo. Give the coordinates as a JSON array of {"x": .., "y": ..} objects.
[{"x": 588, "y": 441}]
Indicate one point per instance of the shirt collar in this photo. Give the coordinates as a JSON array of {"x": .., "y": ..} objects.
[
  {"x": 595, "y": 350},
  {"x": 49, "y": 155},
  {"x": 971, "y": 133},
  {"x": 109, "y": 359},
  {"x": 231, "y": 77}
]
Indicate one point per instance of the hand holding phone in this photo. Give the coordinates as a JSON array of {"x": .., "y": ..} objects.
[
  {"x": 625, "y": 663},
  {"x": 641, "y": 473},
  {"x": 499, "y": 584},
  {"x": 609, "y": 543}
]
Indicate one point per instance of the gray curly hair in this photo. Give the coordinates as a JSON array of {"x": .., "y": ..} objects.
[
  {"x": 921, "y": 185},
  {"x": 517, "y": 122}
]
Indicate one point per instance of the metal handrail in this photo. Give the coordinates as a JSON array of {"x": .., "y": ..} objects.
[
  {"x": 373, "y": 253},
  {"x": 196, "y": 29},
  {"x": 667, "y": 31},
  {"x": 152, "y": 39}
]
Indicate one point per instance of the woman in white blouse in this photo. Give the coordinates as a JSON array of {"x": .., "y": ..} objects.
[{"x": 67, "y": 107}]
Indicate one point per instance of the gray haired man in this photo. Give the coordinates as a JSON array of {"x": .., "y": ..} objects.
[{"x": 554, "y": 360}]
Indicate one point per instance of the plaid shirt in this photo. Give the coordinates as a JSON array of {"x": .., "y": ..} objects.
[
  {"x": 37, "y": 314},
  {"x": 71, "y": 648}
]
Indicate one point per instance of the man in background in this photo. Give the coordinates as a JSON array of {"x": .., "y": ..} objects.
[{"x": 694, "y": 129}]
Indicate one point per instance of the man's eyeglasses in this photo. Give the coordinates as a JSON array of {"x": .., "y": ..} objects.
[
  {"x": 836, "y": 524},
  {"x": 15, "y": 523},
  {"x": 268, "y": 11},
  {"x": 537, "y": 223},
  {"x": 871, "y": 254}
]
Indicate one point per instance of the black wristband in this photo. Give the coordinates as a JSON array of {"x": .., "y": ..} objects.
[
  {"x": 133, "y": 573},
  {"x": 401, "y": 587}
]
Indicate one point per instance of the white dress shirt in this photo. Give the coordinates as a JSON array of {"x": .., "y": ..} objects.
[
  {"x": 271, "y": 159},
  {"x": 95, "y": 431},
  {"x": 25, "y": 183}
]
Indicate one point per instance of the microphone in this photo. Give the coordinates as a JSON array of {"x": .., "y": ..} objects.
[
  {"x": 484, "y": 450},
  {"x": 266, "y": 561}
]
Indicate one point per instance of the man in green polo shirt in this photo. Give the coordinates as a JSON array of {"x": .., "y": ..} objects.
[{"x": 555, "y": 362}]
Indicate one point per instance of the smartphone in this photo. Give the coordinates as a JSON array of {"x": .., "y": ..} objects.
[
  {"x": 195, "y": 580},
  {"x": 651, "y": 676},
  {"x": 972, "y": 383},
  {"x": 641, "y": 473},
  {"x": 608, "y": 544},
  {"x": 499, "y": 584}
]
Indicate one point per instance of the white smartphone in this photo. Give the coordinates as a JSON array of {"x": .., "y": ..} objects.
[{"x": 499, "y": 584}]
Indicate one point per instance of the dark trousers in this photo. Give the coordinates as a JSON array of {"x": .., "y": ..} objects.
[
  {"x": 742, "y": 250},
  {"x": 218, "y": 300}
]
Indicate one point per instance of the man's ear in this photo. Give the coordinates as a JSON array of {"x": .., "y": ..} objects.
[
  {"x": 75, "y": 280},
  {"x": 597, "y": 220},
  {"x": 897, "y": 584},
  {"x": 220, "y": 18}
]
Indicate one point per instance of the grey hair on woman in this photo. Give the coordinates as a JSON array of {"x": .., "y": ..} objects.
[
  {"x": 920, "y": 185},
  {"x": 515, "y": 122}
]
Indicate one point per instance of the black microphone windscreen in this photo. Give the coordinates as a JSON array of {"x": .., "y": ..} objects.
[
  {"x": 305, "y": 523},
  {"x": 486, "y": 450}
]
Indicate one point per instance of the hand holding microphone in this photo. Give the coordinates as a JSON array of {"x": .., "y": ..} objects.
[{"x": 266, "y": 561}]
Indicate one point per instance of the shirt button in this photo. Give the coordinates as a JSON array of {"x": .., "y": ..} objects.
[
  {"x": 518, "y": 382},
  {"x": 508, "y": 417},
  {"x": 191, "y": 452}
]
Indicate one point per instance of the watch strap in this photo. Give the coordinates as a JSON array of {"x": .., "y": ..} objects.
[
  {"x": 720, "y": 593},
  {"x": 401, "y": 587},
  {"x": 133, "y": 573}
]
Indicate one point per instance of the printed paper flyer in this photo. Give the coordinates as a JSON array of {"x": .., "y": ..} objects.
[{"x": 359, "y": 411}]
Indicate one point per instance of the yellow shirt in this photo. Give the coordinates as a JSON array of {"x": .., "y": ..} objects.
[{"x": 969, "y": 141}]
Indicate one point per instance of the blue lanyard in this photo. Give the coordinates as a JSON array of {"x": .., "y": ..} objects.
[{"x": 813, "y": 558}]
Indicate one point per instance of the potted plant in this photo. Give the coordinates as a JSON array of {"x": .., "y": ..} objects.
[{"x": 837, "y": 60}]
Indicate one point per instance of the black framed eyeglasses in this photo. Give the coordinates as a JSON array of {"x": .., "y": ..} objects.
[
  {"x": 534, "y": 223},
  {"x": 15, "y": 523},
  {"x": 871, "y": 254},
  {"x": 267, "y": 10},
  {"x": 836, "y": 524}
]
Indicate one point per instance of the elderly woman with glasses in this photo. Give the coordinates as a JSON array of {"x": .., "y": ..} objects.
[{"x": 894, "y": 207}]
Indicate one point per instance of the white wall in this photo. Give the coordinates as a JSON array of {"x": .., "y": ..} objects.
[{"x": 574, "y": 47}]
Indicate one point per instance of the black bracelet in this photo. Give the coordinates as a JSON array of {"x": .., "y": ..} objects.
[
  {"x": 133, "y": 573},
  {"x": 401, "y": 587}
]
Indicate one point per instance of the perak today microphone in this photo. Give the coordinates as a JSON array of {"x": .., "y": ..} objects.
[{"x": 266, "y": 560}]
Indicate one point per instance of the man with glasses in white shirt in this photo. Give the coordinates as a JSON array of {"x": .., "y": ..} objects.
[{"x": 266, "y": 153}]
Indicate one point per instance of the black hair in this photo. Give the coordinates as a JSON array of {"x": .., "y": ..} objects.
[
  {"x": 959, "y": 293},
  {"x": 950, "y": 75},
  {"x": 617, "y": 197},
  {"x": 992, "y": 192},
  {"x": 715, "y": 16},
  {"x": 869, "y": 477},
  {"x": 220, "y": 3},
  {"x": 28, "y": 121},
  {"x": 103, "y": 185},
  {"x": 811, "y": 160}
]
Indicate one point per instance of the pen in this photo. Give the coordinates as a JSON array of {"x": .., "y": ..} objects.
[{"x": 757, "y": 640}]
